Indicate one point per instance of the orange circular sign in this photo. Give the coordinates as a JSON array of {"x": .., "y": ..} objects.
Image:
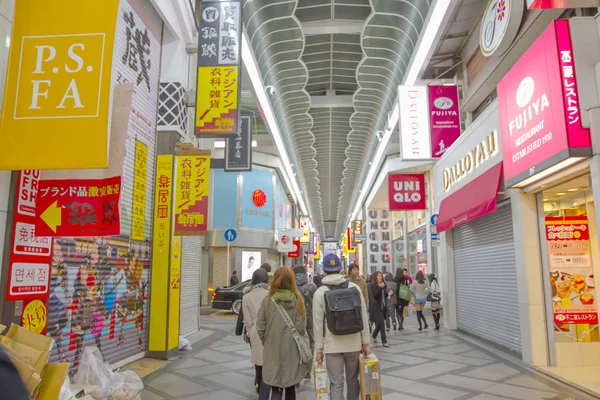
[
  {"x": 259, "y": 198},
  {"x": 35, "y": 316}
]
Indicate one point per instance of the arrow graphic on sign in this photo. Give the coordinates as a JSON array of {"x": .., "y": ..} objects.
[{"x": 52, "y": 216}]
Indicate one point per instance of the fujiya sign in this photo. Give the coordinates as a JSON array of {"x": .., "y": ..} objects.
[
  {"x": 406, "y": 192},
  {"x": 473, "y": 160},
  {"x": 500, "y": 25},
  {"x": 539, "y": 108}
]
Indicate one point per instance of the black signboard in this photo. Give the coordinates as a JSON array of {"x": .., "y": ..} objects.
[{"x": 238, "y": 148}]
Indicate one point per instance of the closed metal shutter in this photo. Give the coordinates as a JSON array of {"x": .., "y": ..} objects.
[
  {"x": 487, "y": 299},
  {"x": 191, "y": 261}
]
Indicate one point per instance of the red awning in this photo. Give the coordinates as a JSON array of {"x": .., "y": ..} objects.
[{"x": 476, "y": 199}]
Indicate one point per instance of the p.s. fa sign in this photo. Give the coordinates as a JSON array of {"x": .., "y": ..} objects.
[{"x": 406, "y": 192}]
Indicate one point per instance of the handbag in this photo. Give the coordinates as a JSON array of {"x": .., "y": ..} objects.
[
  {"x": 435, "y": 295},
  {"x": 302, "y": 342},
  {"x": 404, "y": 292}
]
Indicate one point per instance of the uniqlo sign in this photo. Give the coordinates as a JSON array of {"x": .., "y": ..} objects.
[
  {"x": 30, "y": 255},
  {"x": 406, "y": 192}
]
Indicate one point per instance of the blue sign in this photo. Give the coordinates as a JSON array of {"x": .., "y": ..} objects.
[
  {"x": 435, "y": 236},
  {"x": 311, "y": 243},
  {"x": 230, "y": 235},
  {"x": 434, "y": 219}
]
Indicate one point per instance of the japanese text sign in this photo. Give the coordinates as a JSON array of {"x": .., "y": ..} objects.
[
  {"x": 218, "y": 83},
  {"x": 35, "y": 316},
  {"x": 191, "y": 195},
  {"x": 140, "y": 173},
  {"x": 571, "y": 272},
  {"x": 79, "y": 207},
  {"x": 58, "y": 85},
  {"x": 30, "y": 255},
  {"x": 444, "y": 120},
  {"x": 238, "y": 148},
  {"x": 406, "y": 192},
  {"x": 163, "y": 205},
  {"x": 539, "y": 108}
]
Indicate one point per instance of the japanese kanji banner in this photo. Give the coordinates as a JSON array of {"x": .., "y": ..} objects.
[
  {"x": 238, "y": 148},
  {"x": 30, "y": 254},
  {"x": 140, "y": 173},
  {"x": 78, "y": 207},
  {"x": 191, "y": 195},
  {"x": 218, "y": 84},
  {"x": 571, "y": 272}
]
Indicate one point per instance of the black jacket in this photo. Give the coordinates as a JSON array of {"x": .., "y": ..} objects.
[
  {"x": 233, "y": 280},
  {"x": 11, "y": 385},
  {"x": 377, "y": 310}
]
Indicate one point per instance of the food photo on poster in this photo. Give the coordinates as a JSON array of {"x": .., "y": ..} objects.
[
  {"x": 251, "y": 261},
  {"x": 571, "y": 273}
]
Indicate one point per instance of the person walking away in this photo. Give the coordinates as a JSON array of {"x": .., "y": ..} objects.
[
  {"x": 354, "y": 277},
  {"x": 419, "y": 290},
  {"x": 307, "y": 289},
  {"x": 282, "y": 364},
  {"x": 234, "y": 279},
  {"x": 391, "y": 302},
  {"x": 402, "y": 286},
  {"x": 378, "y": 307},
  {"x": 340, "y": 343},
  {"x": 408, "y": 277},
  {"x": 435, "y": 297},
  {"x": 251, "y": 303},
  {"x": 267, "y": 267}
]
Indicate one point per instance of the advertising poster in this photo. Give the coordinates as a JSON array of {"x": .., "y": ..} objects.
[
  {"x": 191, "y": 195},
  {"x": 218, "y": 86},
  {"x": 379, "y": 251},
  {"x": 444, "y": 118},
  {"x": 571, "y": 272},
  {"x": 29, "y": 270},
  {"x": 258, "y": 199},
  {"x": 79, "y": 207},
  {"x": 251, "y": 261}
]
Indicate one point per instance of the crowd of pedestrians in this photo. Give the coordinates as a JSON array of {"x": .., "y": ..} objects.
[{"x": 291, "y": 319}]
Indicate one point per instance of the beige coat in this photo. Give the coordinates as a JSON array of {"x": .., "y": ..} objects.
[
  {"x": 281, "y": 358},
  {"x": 362, "y": 284},
  {"x": 251, "y": 304}
]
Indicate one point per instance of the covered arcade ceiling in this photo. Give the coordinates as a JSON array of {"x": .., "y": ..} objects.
[{"x": 333, "y": 68}]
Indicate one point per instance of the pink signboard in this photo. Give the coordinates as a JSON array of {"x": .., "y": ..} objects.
[
  {"x": 406, "y": 192},
  {"x": 444, "y": 115},
  {"x": 540, "y": 118}
]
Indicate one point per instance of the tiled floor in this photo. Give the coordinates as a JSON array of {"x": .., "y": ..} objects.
[{"x": 417, "y": 366}]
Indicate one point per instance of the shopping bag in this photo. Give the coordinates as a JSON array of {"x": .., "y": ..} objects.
[
  {"x": 405, "y": 312},
  {"x": 321, "y": 381},
  {"x": 370, "y": 382}
]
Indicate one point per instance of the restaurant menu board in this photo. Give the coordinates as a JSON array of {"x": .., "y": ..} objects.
[{"x": 571, "y": 271}]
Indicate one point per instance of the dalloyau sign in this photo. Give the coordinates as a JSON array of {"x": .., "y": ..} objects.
[{"x": 539, "y": 108}]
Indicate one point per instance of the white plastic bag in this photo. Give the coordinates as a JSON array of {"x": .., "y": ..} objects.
[
  {"x": 184, "y": 344},
  {"x": 125, "y": 385},
  {"x": 65, "y": 391},
  {"x": 94, "y": 371}
]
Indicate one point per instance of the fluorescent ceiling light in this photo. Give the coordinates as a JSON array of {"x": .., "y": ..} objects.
[
  {"x": 265, "y": 104},
  {"x": 432, "y": 28},
  {"x": 219, "y": 144}
]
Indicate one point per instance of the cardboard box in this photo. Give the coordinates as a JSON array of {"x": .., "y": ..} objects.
[
  {"x": 52, "y": 381},
  {"x": 30, "y": 377},
  {"x": 321, "y": 381},
  {"x": 370, "y": 381}
]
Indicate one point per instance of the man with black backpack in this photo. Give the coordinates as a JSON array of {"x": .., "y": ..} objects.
[{"x": 341, "y": 329}]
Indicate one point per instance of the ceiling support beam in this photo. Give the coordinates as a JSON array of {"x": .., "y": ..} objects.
[
  {"x": 332, "y": 26},
  {"x": 331, "y": 100}
]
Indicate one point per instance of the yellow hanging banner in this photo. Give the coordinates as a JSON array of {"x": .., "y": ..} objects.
[{"x": 57, "y": 96}]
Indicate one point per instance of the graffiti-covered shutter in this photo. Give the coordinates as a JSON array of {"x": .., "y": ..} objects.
[
  {"x": 100, "y": 286},
  {"x": 191, "y": 261}
]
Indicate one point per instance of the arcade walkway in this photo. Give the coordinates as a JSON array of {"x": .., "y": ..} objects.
[{"x": 418, "y": 365}]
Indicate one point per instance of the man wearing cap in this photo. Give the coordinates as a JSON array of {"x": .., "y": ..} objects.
[{"x": 342, "y": 351}]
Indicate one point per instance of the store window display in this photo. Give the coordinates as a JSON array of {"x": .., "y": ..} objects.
[{"x": 571, "y": 245}]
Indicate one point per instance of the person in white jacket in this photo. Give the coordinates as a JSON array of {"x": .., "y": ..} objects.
[{"x": 342, "y": 352}]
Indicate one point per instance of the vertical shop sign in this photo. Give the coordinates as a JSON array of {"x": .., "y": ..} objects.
[
  {"x": 296, "y": 252},
  {"x": 311, "y": 243},
  {"x": 30, "y": 256},
  {"x": 406, "y": 192},
  {"x": 191, "y": 195},
  {"x": 305, "y": 229},
  {"x": 357, "y": 232},
  {"x": 379, "y": 228},
  {"x": 140, "y": 173},
  {"x": 238, "y": 148},
  {"x": 571, "y": 271},
  {"x": 174, "y": 293},
  {"x": 444, "y": 118},
  {"x": 58, "y": 86},
  {"x": 218, "y": 86},
  {"x": 415, "y": 138},
  {"x": 79, "y": 207},
  {"x": 539, "y": 108}
]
